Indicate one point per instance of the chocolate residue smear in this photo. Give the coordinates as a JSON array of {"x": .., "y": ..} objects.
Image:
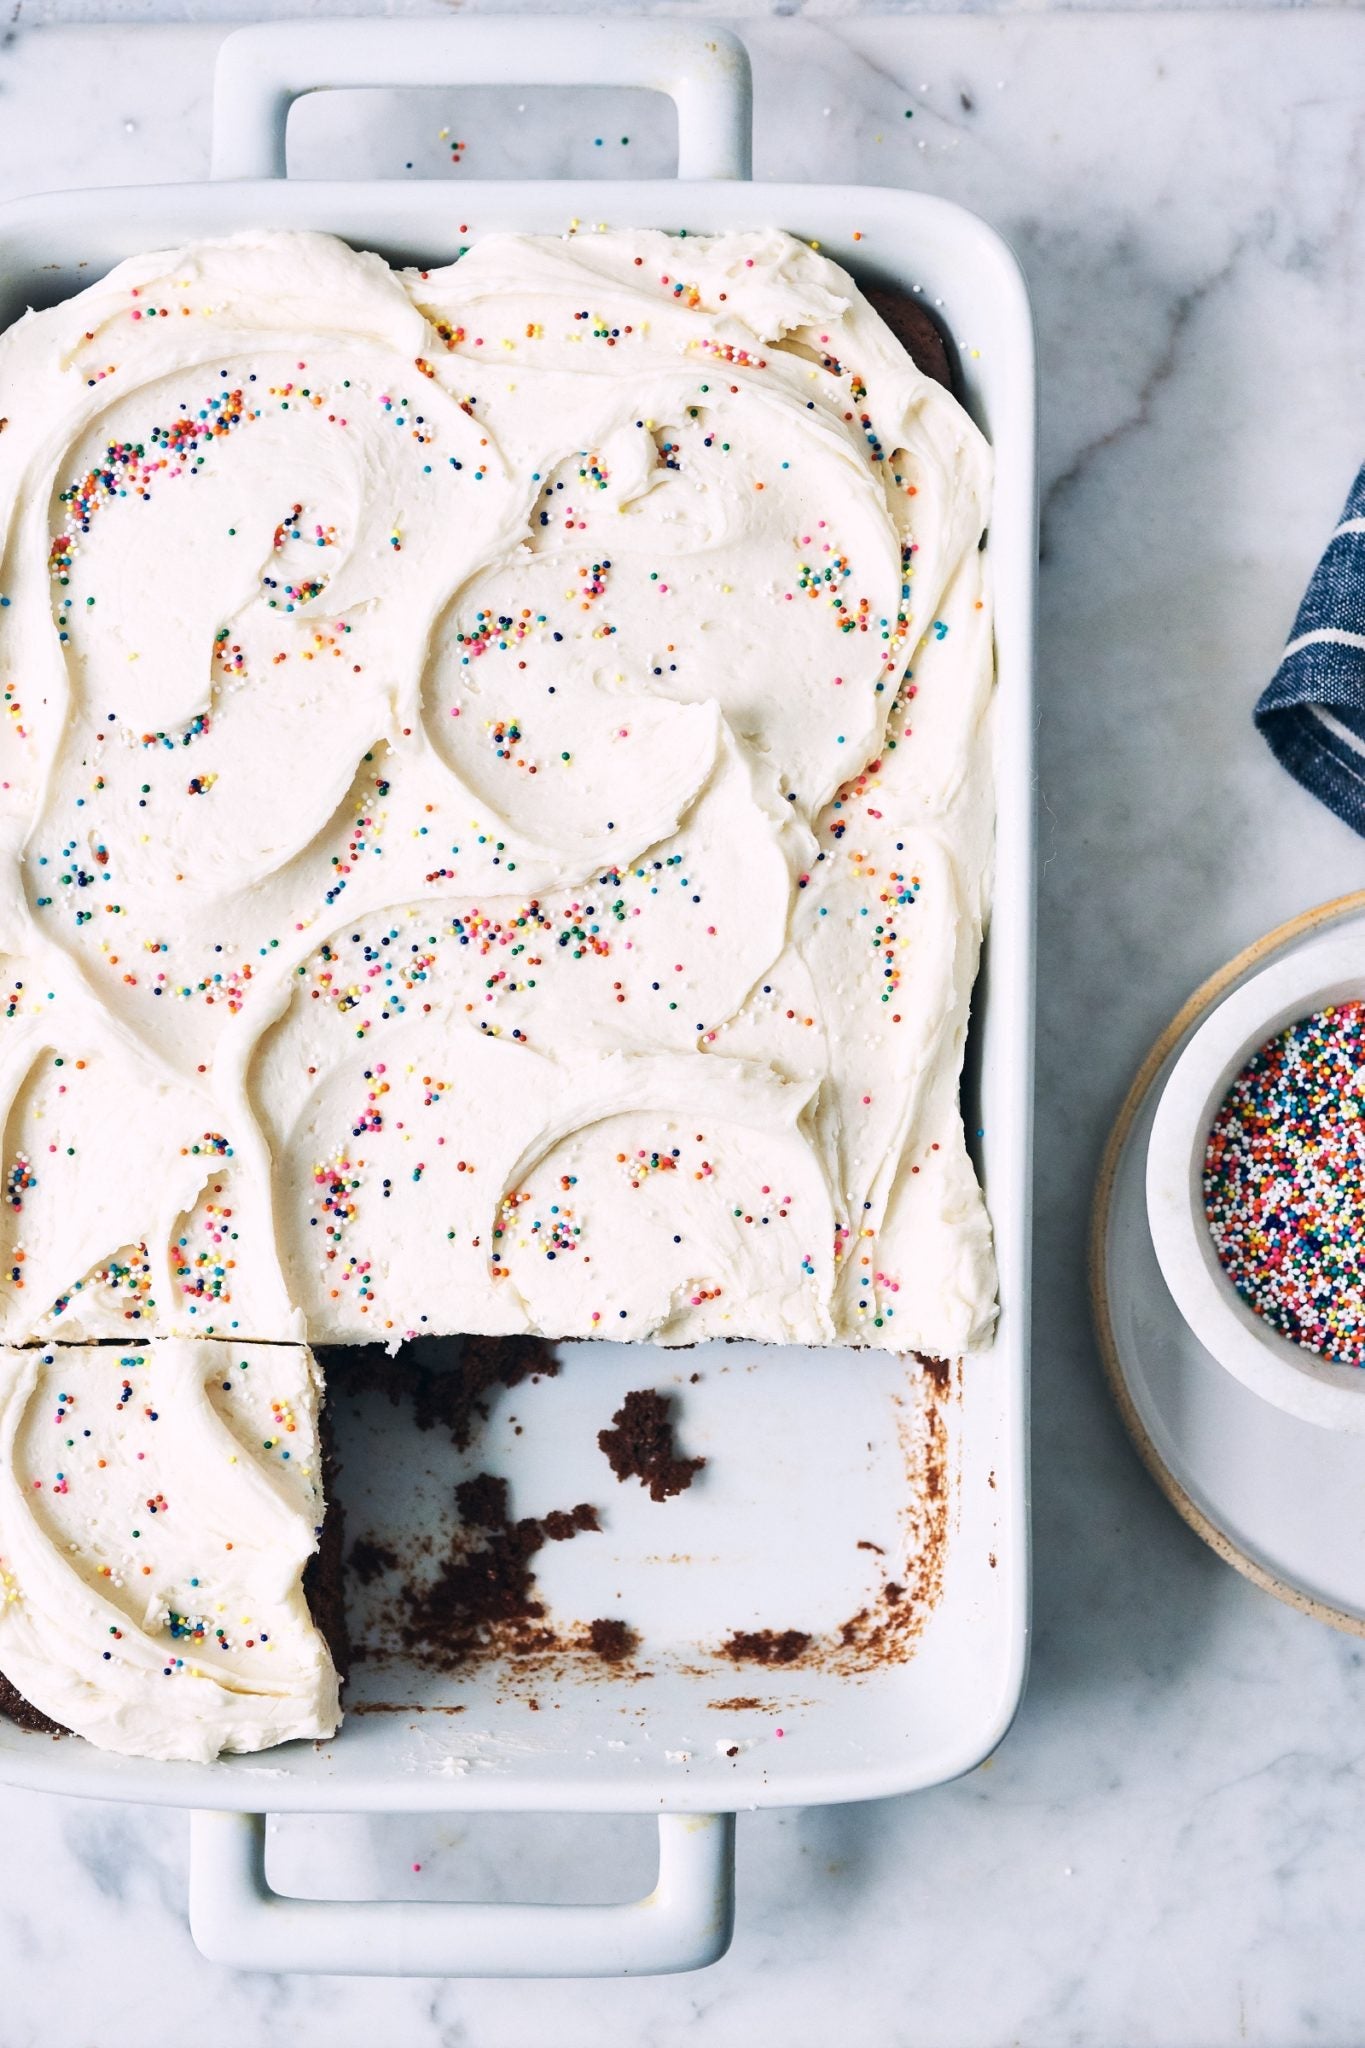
[
  {"x": 766, "y": 1645},
  {"x": 864, "y": 1627},
  {"x": 466, "y": 1591},
  {"x": 612, "y": 1641},
  {"x": 745, "y": 1703},
  {"x": 402, "y": 1707},
  {"x": 888, "y": 1629},
  {"x": 450, "y": 1396},
  {"x": 938, "y": 1371},
  {"x": 641, "y": 1445}
]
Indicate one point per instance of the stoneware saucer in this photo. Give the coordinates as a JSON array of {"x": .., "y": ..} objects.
[
  {"x": 1321, "y": 971},
  {"x": 1278, "y": 1495}
]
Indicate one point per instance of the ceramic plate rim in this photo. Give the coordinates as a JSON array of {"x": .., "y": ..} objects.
[{"x": 1259, "y": 952}]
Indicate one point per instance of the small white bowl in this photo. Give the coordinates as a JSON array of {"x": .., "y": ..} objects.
[{"x": 1326, "y": 971}]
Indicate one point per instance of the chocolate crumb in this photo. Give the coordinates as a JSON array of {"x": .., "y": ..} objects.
[
  {"x": 641, "y": 1445},
  {"x": 491, "y": 1583},
  {"x": 476, "y": 1590},
  {"x": 766, "y": 1645},
  {"x": 369, "y": 1558},
  {"x": 465, "y": 1590},
  {"x": 482, "y": 1501},
  {"x": 560, "y": 1523},
  {"x": 612, "y": 1641}
]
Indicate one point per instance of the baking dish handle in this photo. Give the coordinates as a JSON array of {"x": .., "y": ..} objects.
[
  {"x": 262, "y": 70},
  {"x": 685, "y": 1922}
]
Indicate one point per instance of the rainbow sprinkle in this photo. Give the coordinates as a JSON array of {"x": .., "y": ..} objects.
[{"x": 1284, "y": 1183}]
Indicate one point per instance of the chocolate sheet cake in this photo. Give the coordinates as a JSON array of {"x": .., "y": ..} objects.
[{"x": 497, "y": 816}]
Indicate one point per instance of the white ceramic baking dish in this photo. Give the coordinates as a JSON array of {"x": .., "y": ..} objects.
[{"x": 813, "y": 1456}]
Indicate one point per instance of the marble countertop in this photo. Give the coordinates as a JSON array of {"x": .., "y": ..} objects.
[{"x": 1168, "y": 1848}]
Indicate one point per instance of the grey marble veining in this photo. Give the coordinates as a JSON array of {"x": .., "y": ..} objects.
[{"x": 1168, "y": 1848}]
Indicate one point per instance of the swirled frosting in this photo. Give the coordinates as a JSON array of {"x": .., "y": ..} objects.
[
  {"x": 496, "y": 810},
  {"x": 157, "y": 1507}
]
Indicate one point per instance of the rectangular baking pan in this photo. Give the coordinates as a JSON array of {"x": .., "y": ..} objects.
[{"x": 813, "y": 1455}]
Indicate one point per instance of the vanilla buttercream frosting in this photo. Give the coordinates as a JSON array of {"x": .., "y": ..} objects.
[
  {"x": 157, "y": 1507},
  {"x": 496, "y": 801}
]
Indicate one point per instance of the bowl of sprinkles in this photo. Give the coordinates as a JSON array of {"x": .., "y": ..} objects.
[{"x": 1256, "y": 1183}]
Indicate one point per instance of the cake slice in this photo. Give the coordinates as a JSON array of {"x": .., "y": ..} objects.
[{"x": 159, "y": 1508}]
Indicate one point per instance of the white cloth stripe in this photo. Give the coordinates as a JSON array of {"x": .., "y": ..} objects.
[
  {"x": 1312, "y": 711},
  {"x": 1335, "y": 636},
  {"x": 1343, "y": 732}
]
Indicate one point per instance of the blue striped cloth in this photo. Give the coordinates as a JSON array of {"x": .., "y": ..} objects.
[{"x": 1313, "y": 709}]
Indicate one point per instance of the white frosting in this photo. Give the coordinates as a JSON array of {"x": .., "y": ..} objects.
[
  {"x": 157, "y": 1507},
  {"x": 496, "y": 797}
]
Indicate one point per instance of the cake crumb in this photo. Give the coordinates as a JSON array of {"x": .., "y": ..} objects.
[
  {"x": 477, "y": 1590},
  {"x": 482, "y": 1501},
  {"x": 369, "y": 1558},
  {"x": 455, "y": 1398},
  {"x": 613, "y": 1641},
  {"x": 641, "y": 1445},
  {"x": 766, "y": 1645},
  {"x": 562, "y": 1523}
]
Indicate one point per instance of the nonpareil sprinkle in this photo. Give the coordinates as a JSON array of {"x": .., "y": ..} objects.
[{"x": 1284, "y": 1183}]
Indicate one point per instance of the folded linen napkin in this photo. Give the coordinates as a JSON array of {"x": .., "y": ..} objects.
[{"x": 1312, "y": 712}]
